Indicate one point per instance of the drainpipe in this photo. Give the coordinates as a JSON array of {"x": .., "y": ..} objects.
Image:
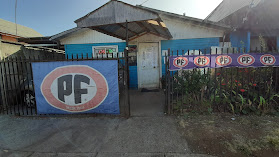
[{"x": 248, "y": 41}]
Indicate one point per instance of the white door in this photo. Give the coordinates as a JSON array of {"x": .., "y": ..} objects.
[{"x": 148, "y": 65}]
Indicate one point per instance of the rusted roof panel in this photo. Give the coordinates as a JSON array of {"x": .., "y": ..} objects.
[{"x": 115, "y": 12}]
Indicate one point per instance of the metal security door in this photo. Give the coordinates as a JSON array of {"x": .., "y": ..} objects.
[{"x": 148, "y": 65}]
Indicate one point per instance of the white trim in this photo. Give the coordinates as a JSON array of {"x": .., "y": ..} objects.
[{"x": 150, "y": 38}]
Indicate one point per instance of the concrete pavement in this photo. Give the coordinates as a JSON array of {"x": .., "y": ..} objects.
[
  {"x": 148, "y": 133},
  {"x": 100, "y": 154},
  {"x": 95, "y": 136}
]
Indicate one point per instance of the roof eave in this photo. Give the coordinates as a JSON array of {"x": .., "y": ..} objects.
[
  {"x": 78, "y": 20},
  {"x": 64, "y": 34},
  {"x": 196, "y": 20}
]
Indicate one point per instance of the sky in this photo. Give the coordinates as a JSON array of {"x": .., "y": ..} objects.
[{"x": 50, "y": 17}]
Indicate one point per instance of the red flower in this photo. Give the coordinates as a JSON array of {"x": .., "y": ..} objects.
[
  {"x": 218, "y": 74},
  {"x": 239, "y": 70},
  {"x": 242, "y": 90},
  {"x": 239, "y": 84},
  {"x": 254, "y": 84},
  {"x": 235, "y": 80},
  {"x": 223, "y": 84}
]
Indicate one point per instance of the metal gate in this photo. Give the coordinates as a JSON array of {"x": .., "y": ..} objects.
[
  {"x": 17, "y": 86},
  {"x": 236, "y": 90}
]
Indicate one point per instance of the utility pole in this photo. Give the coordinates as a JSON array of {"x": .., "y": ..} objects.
[{"x": 15, "y": 16}]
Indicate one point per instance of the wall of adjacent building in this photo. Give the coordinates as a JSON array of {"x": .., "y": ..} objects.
[
  {"x": 239, "y": 39},
  {"x": 7, "y": 49}
]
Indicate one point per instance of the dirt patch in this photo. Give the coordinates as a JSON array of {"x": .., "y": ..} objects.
[{"x": 231, "y": 136}]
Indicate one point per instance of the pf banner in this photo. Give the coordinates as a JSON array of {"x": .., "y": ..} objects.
[
  {"x": 223, "y": 60},
  {"x": 76, "y": 87}
]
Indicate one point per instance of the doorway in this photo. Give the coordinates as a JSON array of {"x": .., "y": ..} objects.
[{"x": 148, "y": 65}]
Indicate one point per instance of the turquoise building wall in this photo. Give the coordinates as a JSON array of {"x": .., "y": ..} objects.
[
  {"x": 79, "y": 50},
  {"x": 241, "y": 39},
  {"x": 84, "y": 50},
  {"x": 204, "y": 44}
]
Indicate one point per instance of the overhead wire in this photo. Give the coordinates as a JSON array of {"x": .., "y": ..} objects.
[{"x": 144, "y": 2}]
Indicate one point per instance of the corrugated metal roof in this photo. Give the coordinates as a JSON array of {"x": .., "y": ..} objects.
[
  {"x": 108, "y": 19},
  {"x": 258, "y": 16},
  {"x": 228, "y": 7},
  {"x": 187, "y": 18},
  {"x": 66, "y": 33},
  {"x": 115, "y": 12},
  {"x": 8, "y": 27},
  {"x": 262, "y": 19}
]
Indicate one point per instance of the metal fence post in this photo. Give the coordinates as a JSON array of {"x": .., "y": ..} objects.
[
  {"x": 168, "y": 86},
  {"x": 126, "y": 69}
]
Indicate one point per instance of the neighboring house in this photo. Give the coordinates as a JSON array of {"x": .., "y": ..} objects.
[
  {"x": 9, "y": 34},
  {"x": 254, "y": 23},
  {"x": 151, "y": 33}
]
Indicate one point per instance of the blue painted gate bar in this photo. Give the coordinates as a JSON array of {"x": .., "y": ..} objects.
[
  {"x": 70, "y": 87},
  {"x": 223, "y": 60}
]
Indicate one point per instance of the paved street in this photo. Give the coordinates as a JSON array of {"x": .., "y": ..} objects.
[
  {"x": 137, "y": 136},
  {"x": 147, "y": 133}
]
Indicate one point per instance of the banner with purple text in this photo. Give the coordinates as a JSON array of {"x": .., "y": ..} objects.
[{"x": 223, "y": 60}]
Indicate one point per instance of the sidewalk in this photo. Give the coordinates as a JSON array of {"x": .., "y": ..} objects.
[
  {"x": 101, "y": 137},
  {"x": 100, "y": 154}
]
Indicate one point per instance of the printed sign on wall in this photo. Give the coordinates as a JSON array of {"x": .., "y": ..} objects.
[
  {"x": 76, "y": 87},
  {"x": 223, "y": 60}
]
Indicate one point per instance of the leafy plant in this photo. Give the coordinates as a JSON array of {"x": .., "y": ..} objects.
[
  {"x": 238, "y": 90},
  {"x": 262, "y": 42}
]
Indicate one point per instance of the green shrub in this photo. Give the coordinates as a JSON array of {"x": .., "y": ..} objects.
[{"x": 238, "y": 90}]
